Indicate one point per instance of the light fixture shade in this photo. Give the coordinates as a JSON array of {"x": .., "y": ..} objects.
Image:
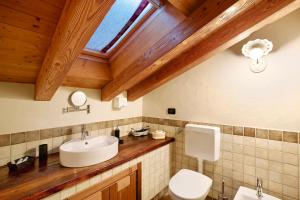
[
  {"x": 258, "y": 48},
  {"x": 259, "y": 65}
]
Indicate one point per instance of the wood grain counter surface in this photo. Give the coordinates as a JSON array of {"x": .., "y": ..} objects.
[{"x": 42, "y": 181}]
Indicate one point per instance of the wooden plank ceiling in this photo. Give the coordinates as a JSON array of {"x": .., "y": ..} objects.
[{"x": 42, "y": 42}]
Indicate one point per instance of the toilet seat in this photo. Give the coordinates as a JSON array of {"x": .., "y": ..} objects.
[{"x": 188, "y": 185}]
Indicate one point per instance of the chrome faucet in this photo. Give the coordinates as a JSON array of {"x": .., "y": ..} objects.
[
  {"x": 259, "y": 192},
  {"x": 84, "y": 132}
]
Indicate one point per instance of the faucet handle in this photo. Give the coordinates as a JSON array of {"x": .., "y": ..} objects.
[{"x": 259, "y": 182}]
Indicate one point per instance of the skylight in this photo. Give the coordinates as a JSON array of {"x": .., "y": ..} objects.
[{"x": 121, "y": 18}]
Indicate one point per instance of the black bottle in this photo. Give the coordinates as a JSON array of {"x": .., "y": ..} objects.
[
  {"x": 43, "y": 154},
  {"x": 117, "y": 133}
]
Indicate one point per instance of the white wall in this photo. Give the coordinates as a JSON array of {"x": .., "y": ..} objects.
[
  {"x": 224, "y": 90},
  {"x": 19, "y": 112}
]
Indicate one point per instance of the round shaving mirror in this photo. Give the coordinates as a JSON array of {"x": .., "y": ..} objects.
[{"x": 78, "y": 98}]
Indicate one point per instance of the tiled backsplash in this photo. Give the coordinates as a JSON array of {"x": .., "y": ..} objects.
[
  {"x": 246, "y": 153},
  {"x": 16, "y": 145}
]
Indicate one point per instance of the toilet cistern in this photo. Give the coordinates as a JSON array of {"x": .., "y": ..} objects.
[{"x": 202, "y": 142}]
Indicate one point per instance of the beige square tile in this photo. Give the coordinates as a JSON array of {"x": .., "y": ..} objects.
[
  {"x": 249, "y": 170},
  {"x": 249, "y": 160},
  {"x": 68, "y": 192},
  {"x": 290, "y": 158},
  {"x": 32, "y": 148},
  {"x": 56, "y": 142},
  {"x": 238, "y": 167},
  {"x": 290, "y": 180},
  {"x": 261, "y": 143},
  {"x": 262, "y": 163},
  {"x": 106, "y": 174},
  {"x": 96, "y": 179},
  {"x": 227, "y": 164},
  {"x": 275, "y": 187},
  {"x": 262, "y": 173},
  {"x": 290, "y": 170},
  {"x": 275, "y": 155},
  {"x": 237, "y": 157},
  {"x": 4, "y": 161},
  {"x": 226, "y": 146},
  {"x": 275, "y": 145},
  {"x": 217, "y": 170},
  {"x": 227, "y": 172},
  {"x": 290, "y": 191},
  {"x": 290, "y": 147},
  {"x": 251, "y": 180},
  {"x": 4, "y": 152},
  {"x": 249, "y": 150},
  {"x": 250, "y": 141},
  {"x": 18, "y": 149},
  {"x": 261, "y": 153},
  {"x": 275, "y": 176},
  {"x": 276, "y": 166},
  {"x": 238, "y": 176},
  {"x": 238, "y": 139},
  {"x": 227, "y": 155},
  {"x": 83, "y": 185},
  {"x": 237, "y": 148}
]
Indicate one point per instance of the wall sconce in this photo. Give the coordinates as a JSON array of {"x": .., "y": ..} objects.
[{"x": 256, "y": 50}]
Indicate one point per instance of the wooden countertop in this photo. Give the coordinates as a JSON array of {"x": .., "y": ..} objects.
[{"x": 44, "y": 181}]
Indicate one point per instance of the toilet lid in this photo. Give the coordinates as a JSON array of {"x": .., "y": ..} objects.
[{"x": 187, "y": 184}]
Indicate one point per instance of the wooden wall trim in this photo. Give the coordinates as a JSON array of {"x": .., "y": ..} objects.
[
  {"x": 150, "y": 61},
  {"x": 77, "y": 23},
  {"x": 239, "y": 28}
]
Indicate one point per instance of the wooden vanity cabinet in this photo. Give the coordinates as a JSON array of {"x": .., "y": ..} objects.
[{"x": 124, "y": 186}]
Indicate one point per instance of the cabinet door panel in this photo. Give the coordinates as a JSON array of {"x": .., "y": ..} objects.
[
  {"x": 124, "y": 189},
  {"x": 99, "y": 195}
]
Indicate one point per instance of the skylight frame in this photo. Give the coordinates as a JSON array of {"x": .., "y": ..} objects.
[{"x": 123, "y": 38}]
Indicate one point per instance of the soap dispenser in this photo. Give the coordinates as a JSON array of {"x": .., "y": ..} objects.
[{"x": 117, "y": 134}]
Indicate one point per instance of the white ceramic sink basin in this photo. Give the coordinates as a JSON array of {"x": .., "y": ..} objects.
[
  {"x": 81, "y": 153},
  {"x": 245, "y": 193}
]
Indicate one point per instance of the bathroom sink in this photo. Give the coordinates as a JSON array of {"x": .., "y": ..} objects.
[
  {"x": 245, "y": 193},
  {"x": 93, "y": 150}
]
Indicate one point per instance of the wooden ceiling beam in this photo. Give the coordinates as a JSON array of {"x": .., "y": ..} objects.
[
  {"x": 186, "y": 6},
  {"x": 76, "y": 25},
  {"x": 237, "y": 29},
  {"x": 153, "y": 58},
  {"x": 88, "y": 73}
]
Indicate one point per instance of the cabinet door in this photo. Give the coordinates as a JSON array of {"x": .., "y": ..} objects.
[
  {"x": 102, "y": 194},
  {"x": 99, "y": 195},
  {"x": 124, "y": 189}
]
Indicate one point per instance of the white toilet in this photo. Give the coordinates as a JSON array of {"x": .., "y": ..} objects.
[{"x": 202, "y": 142}]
